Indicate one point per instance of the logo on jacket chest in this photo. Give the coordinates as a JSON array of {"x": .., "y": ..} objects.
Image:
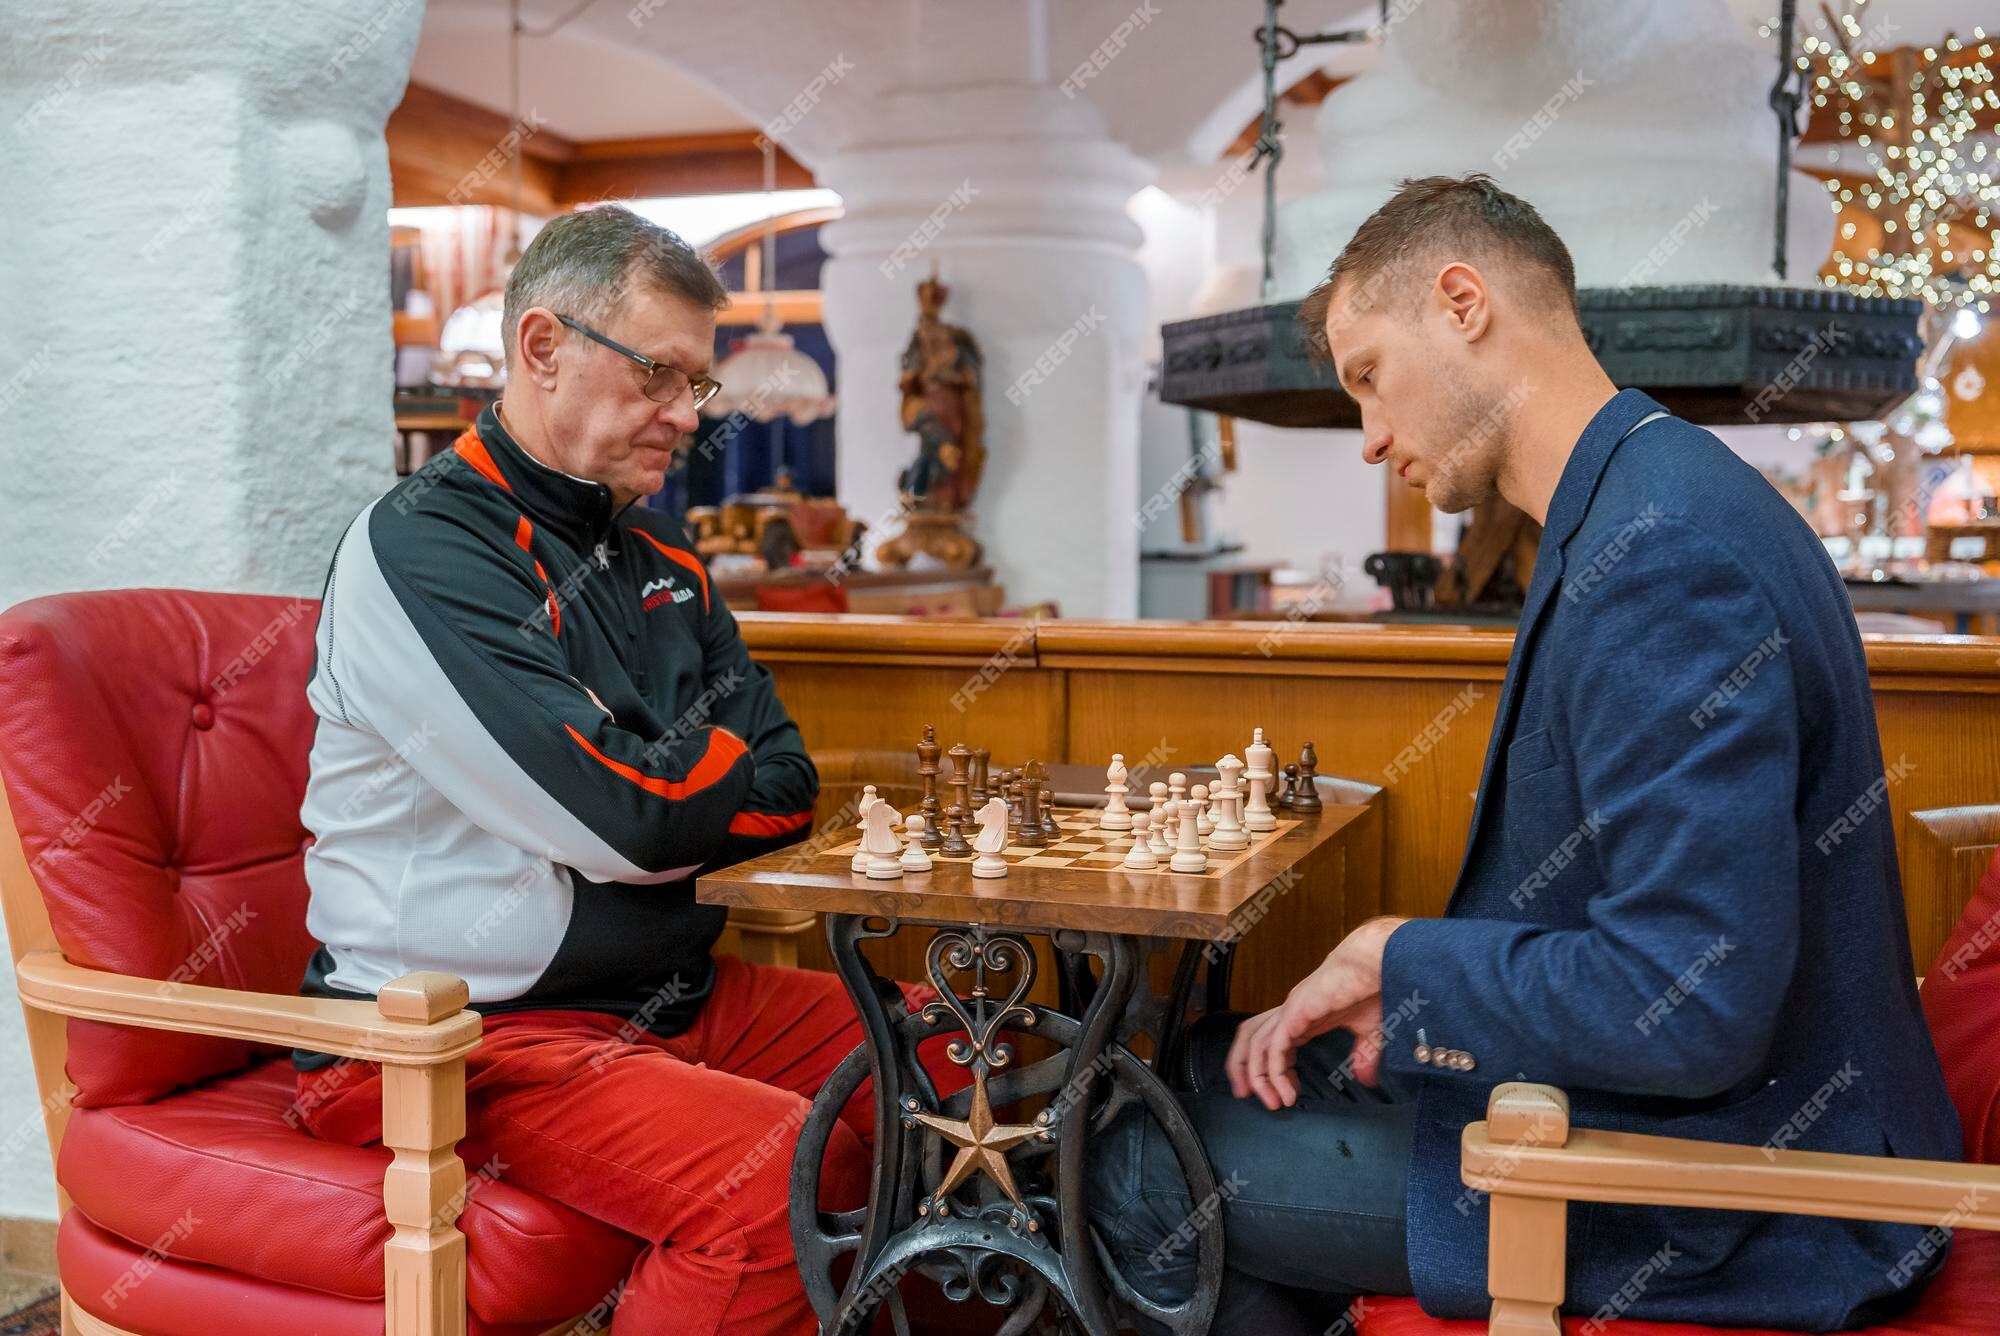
[{"x": 663, "y": 590}]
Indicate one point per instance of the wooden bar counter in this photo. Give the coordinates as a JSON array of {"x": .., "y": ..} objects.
[{"x": 1407, "y": 708}]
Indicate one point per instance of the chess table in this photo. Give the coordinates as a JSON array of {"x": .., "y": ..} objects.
[{"x": 983, "y": 1205}]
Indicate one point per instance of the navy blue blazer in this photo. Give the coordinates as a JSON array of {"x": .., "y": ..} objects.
[{"x": 1679, "y": 901}]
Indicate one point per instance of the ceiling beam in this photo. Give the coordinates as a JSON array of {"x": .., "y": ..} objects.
[
  {"x": 708, "y": 164},
  {"x": 446, "y": 150}
]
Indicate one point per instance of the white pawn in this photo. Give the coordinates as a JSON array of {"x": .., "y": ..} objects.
[
  {"x": 915, "y": 858},
  {"x": 1140, "y": 857},
  {"x": 1228, "y": 834},
  {"x": 1257, "y": 812},
  {"x": 992, "y": 838},
  {"x": 1203, "y": 823},
  {"x": 881, "y": 842},
  {"x": 1159, "y": 826},
  {"x": 859, "y": 863},
  {"x": 1117, "y": 816},
  {"x": 1177, "y": 787},
  {"x": 1188, "y": 856}
]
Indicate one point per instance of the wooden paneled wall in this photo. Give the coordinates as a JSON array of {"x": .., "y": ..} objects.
[{"x": 1186, "y": 692}]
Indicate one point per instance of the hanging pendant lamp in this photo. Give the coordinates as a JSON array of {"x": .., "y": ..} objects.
[{"x": 765, "y": 377}]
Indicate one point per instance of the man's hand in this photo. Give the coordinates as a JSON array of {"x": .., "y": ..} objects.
[{"x": 1345, "y": 991}]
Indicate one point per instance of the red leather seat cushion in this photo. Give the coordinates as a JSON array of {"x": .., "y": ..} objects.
[
  {"x": 272, "y": 1202},
  {"x": 116, "y": 1282},
  {"x": 1963, "y": 1301}
]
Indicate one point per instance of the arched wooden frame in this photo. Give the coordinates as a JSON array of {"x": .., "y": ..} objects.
[{"x": 800, "y": 306}]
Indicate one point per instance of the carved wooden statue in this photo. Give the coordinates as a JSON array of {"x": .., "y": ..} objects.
[{"x": 942, "y": 404}]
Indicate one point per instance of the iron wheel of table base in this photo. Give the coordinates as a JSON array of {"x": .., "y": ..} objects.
[{"x": 1014, "y": 1251}]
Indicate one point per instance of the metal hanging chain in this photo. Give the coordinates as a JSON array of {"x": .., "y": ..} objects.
[
  {"x": 1786, "y": 96},
  {"x": 1280, "y": 43}
]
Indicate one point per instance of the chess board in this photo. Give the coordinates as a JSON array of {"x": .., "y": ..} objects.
[{"x": 1083, "y": 845}]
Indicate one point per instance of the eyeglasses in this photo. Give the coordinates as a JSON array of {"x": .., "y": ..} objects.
[{"x": 663, "y": 383}]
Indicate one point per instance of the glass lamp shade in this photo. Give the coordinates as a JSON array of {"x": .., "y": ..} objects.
[
  {"x": 765, "y": 378},
  {"x": 470, "y": 349}
]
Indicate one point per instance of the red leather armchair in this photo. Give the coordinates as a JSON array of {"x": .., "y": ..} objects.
[{"x": 153, "y": 754}]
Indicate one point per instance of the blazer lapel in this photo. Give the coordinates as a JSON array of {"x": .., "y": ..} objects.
[{"x": 1567, "y": 509}]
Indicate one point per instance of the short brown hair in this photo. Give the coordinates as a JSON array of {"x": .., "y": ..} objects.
[
  {"x": 1467, "y": 216},
  {"x": 582, "y": 264}
]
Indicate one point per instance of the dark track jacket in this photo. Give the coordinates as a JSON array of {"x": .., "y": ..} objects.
[{"x": 536, "y": 723}]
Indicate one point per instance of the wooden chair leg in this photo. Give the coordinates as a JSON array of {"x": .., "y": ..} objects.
[
  {"x": 1527, "y": 1237},
  {"x": 423, "y": 1118}
]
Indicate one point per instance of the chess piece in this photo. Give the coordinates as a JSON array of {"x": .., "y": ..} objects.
[
  {"x": 1117, "y": 816},
  {"x": 1306, "y": 798},
  {"x": 1257, "y": 811},
  {"x": 1140, "y": 857},
  {"x": 1158, "y": 830},
  {"x": 1050, "y": 826},
  {"x": 1203, "y": 822},
  {"x": 955, "y": 816},
  {"x": 1032, "y": 832},
  {"x": 1177, "y": 787},
  {"x": 1010, "y": 782},
  {"x": 1290, "y": 789},
  {"x": 915, "y": 858},
  {"x": 1228, "y": 835},
  {"x": 991, "y": 840},
  {"x": 981, "y": 777},
  {"x": 859, "y": 863},
  {"x": 1188, "y": 856},
  {"x": 881, "y": 844},
  {"x": 927, "y": 770}
]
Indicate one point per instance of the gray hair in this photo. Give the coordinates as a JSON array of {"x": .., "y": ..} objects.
[{"x": 582, "y": 264}]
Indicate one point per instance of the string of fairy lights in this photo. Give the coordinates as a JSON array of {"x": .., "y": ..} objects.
[{"x": 1916, "y": 116}]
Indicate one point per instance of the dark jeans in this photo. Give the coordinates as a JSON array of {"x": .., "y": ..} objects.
[{"x": 1312, "y": 1196}]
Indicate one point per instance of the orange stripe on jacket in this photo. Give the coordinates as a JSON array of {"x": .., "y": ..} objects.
[
  {"x": 723, "y": 749},
  {"x": 768, "y": 823},
  {"x": 475, "y": 453},
  {"x": 523, "y": 532},
  {"x": 687, "y": 559}
]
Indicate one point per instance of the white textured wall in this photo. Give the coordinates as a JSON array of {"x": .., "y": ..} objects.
[
  {"x": 194, "y": 324},
  {"x": 1565, "y": 102}
]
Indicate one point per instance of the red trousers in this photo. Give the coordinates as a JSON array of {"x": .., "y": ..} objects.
[{"x": 685, "y": 1142}]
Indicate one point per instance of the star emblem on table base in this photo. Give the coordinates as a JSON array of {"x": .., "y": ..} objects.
[{"x": 982, "y": 1143}]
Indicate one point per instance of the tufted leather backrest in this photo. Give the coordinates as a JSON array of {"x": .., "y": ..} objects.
[
  {"x": 154, "y": 746},
  {"x": 1961, "y": 997}
]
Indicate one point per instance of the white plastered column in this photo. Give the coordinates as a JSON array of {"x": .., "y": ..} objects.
[
  {"x": 194, "y": 328},
  {"x": 194, "y": 320},
  {"x": 1640, "y": 132},
  {"x": 982, "y": 164}
]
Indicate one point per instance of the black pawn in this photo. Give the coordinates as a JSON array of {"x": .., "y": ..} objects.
[{"x": 1306, "y": 798}]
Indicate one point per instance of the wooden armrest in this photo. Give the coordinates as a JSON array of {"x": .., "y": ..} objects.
[
  {"x": 419, "y": 1019},
  {"x": 1672, "y": 1171},
  {"x": 1526, "y": 1155}
]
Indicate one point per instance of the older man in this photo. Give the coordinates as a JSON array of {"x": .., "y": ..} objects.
[{"x": 537, "y": 724}]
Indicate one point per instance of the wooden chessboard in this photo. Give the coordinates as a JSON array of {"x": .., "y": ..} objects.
[{"x": 1084, "y": 846}]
